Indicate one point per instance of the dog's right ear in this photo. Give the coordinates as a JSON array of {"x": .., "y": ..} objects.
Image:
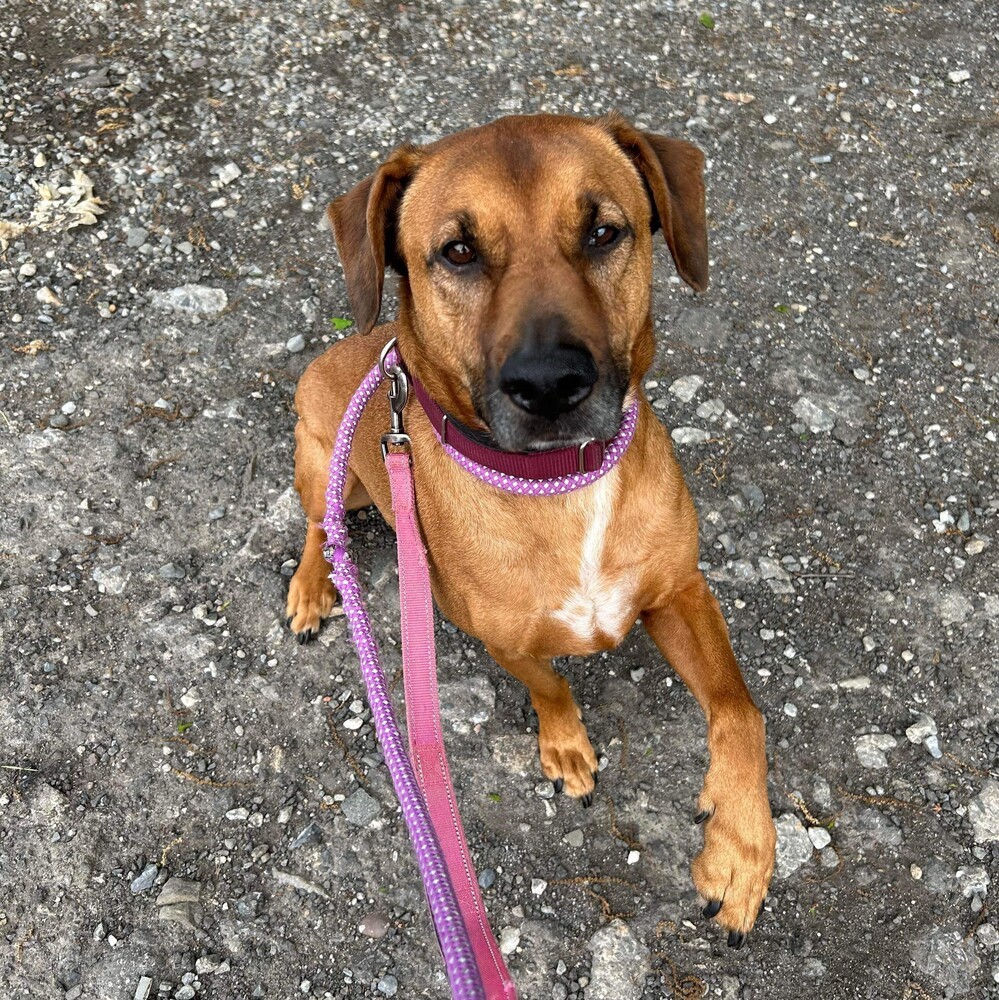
[{"x": 364, "y": 226}]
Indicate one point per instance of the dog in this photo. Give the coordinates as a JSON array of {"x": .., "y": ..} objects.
[{"x": 524, "y": 250}]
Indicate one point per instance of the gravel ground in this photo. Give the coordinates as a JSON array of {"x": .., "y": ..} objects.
[{"x": 195, "y": 806}]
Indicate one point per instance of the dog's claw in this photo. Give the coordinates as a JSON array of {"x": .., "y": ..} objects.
[
  {"x": 287, "y": 621},
  {"x": 596, "y": 777},
  {"x": 763, "y": 905},
  {"x": 736, "y": 939},
  {"x": 711, "y": 910},
  {"x": 702, "y": 816},
  {"x": 559, "y": 785},
  {"x": 587, "y": 800}
]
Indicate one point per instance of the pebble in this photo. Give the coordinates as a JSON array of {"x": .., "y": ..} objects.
[
  {"x": 143, "y": 988},
  {"x": 794, "y": 845},
  {"x": 229, "y": 173},
  {"x": 194, "y": 299},
  {"x": 135, "y": 237},
  {"x": 959, "y": 76},
  {"x": 686, "y": 387},
  {"x": 486, "y": 878},
  {"x": 690, "y": 435},
  {"x": 374, "y": 925},
  {"x": 388, "y": 986},
  {"x": 179, "y": 890},
  {"x": 360, "y": 808},
  {"x": 312, "y": 834},
  {"x": 509, "y": 940},
  {"x": 574, "y": 838},
  {"x": 238, "y": 815},
  {"x": 538, "y": 886},
  {"x": 171, "y": 571},
  {"x": 819, "y": 836},
  {"x": 871, "y": 749},
  {"x": 983, "y": 811},
  {"x": 947, "y": 957},
  {"x": 296, "y": 344},
  {"x": 145, "y": 879},
  {"x": 816, "y": 418},
  {"x": 619, "y": 965},
  {"x": 208, "y": 964}
]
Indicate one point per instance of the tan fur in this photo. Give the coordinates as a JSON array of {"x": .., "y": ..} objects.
[{"x": 525, "y": 574}]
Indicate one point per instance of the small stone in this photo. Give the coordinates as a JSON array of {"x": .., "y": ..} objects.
[
  {"x": 686, "y": 387},
  {"x": 486, "y": 878},
  {"x": 634, "y": 857},
  {"x": 538, "y": 886},
  {"x": 143, "y": 988},
  {"x": 181, "y": 913},
  {"x": 360, "y": 808},
  {"x": 145, "y": 879},
  {"x": 238, "y": 815},
  {"x": 791, "y": 710},
  {"x": 958, "y": 76},
  {"x": 296, "y": 344},
  {"x": 574, "y": 838},
  {"x": 770, "y": 119},
  {"x": 179, "y": 890},
  {"x": 544, "y": 790},
  {"x": 185, "y": 992},
  {"x": 690, "y": 435},
  {"x": 983, "y": 811},
  {"x": 374, "y": 925},
  {"x": 196, "y": 299},
  {"x": 171, "y": 571},
  {"x": 509, "y": 940},
  {"x": 871, "y": 749},
  {"x": 816, "y": 418},
  {"x": 916, "y": 872},
  {"x": 619, "y": 964},
  {"x": 975, "y": 547},
  {"x": 229, "y": 173},
  {"x": 208, "y": 964},
  {"x": 973, "y": 881},
  {"x": 794, "y": 846},
  {"x": 190, "y": 698},
  {"x": 353, "y": 724},
  {"x": 309, "y": 836},
  {"x": 819, "y": 836},
  {"x": 135, "y": 237},
  {"x": 947, "y": 957},
  {"x": 388, "y": 986}
]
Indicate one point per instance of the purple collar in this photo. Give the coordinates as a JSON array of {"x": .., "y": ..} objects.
[{"x": 537, "y": 472}]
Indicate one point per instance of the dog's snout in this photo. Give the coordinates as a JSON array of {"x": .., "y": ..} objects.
[{"x": 548, "y": 375}]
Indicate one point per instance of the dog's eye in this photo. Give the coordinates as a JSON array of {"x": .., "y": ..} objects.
[
  {"x": 604, "y": 236},
  {"x": 458, "y": 254}
]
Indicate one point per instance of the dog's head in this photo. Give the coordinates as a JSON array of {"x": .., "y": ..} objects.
[{"x": 525, "y": 253}]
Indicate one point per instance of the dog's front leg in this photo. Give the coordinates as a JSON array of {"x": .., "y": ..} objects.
[
  {"x": 733, "y": 870},
  {"x": 567, "y": 756}
]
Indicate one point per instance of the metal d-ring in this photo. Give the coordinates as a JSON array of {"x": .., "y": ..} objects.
[{"x": 582, "y": 453}]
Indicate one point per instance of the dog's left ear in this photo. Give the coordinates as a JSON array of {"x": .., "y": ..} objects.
[
  {"x": 364, "y": 227},
  {"x": 673, "y": 171}
]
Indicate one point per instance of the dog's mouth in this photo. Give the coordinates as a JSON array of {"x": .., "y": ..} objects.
[{"x": 595, "y": 417}]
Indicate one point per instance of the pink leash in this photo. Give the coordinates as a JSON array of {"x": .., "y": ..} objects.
[
  {"x": 422, "y": 780},
  {"x": 423, "y": 721}
]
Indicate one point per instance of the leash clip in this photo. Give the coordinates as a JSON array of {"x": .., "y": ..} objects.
[{"x": 398, "y": 396}]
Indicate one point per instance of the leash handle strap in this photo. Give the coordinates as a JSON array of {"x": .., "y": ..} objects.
[{"x": 423, "y": 722}]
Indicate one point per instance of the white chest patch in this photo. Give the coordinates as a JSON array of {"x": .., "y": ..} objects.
[{"x": 598, "y": 603}]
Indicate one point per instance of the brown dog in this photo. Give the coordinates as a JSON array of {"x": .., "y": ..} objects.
[{"x": 525, "y": 254}]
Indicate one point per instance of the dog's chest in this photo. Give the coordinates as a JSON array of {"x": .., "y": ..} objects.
[{"x": 600, "y": 602}]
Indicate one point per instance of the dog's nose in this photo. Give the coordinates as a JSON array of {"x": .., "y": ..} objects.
[{"x": 547, "y": 376}]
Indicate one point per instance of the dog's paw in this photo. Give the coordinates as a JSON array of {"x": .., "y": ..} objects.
[
  {"x": 734, "y": 869},
  {"x": 567, "y": 756},
  {"x": 310, "y": 600}
]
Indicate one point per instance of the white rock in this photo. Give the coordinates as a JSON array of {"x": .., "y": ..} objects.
[
  {"x": 685, "y": 387},
  {"x": 819, "y": 836},
  {"x": 794, "y": 846},
  {"x": 983, "y": 811},
  {"x": 196, "y": 299},
  {"x": 871, "y": 749},
  {"x": 229, "y": 173},
  {"x": 538, "y": 886},
  {"x": 509, "y": 940},
  {"x": 813, "y": 415},
  {"x": 619, "y": 966},
  {"x": 958, "y": 75},
  {"x": 690, "y": 435}
]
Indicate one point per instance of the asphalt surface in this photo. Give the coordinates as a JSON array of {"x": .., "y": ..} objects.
[{"x": 190, "y": 798}]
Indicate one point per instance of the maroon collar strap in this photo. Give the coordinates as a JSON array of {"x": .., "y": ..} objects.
[{"x": 585, "y": 457}]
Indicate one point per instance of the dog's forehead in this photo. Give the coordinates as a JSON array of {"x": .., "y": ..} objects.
[{"x": 540, "y": 166}]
